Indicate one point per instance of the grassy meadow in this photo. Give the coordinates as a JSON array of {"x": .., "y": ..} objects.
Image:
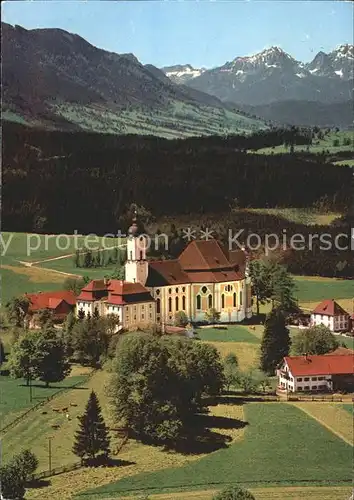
[
  {"x": 325, "y": 144},
  {"x": 252, "y": 460},
  {"x": 15, "y": 395},
  {"x": 31, "y": 262}
]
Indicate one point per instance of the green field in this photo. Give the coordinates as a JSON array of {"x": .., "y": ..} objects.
[
  {"x": 323, "y": 145},
  {"x": 67, "y": 265},
  {"x": 349, "y": 408},
  {"x": 177, "y": 120},
  {"x": 15, "y": 395},
  {"x": 310, "y": 289},
  {"x": 282, "y": 445},
  {"x": 232, "y": 333},
  {"x": 19, "y": 249}
]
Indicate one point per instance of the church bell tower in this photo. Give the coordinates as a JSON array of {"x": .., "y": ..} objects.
[{"x": 136, "y": 266}]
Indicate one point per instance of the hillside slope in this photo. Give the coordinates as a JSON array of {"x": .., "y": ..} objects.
[{"x": 55, "y": 79}]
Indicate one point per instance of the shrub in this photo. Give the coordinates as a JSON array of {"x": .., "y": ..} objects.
[{"x": 234, "y": 493}]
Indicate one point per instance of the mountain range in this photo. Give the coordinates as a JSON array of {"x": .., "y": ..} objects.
[
  {"x": 55, "y": 79},
  {"x": 259, "y": 83}
]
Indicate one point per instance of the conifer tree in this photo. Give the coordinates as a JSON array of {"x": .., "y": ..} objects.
[
  {"x": 92, "y": 436},
  {"x": 275, "y": 342}
]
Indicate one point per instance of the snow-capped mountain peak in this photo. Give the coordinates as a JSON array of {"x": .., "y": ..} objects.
[{"x": 181, "y": 73}]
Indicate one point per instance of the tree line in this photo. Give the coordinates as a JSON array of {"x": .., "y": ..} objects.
[{"x": 89, "y": 179}]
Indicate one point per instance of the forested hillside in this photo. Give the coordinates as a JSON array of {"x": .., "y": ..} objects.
[{"x": 61, "y": 181}]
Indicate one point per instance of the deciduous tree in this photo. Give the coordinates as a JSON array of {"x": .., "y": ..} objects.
[{"x": 315, "y": 340}]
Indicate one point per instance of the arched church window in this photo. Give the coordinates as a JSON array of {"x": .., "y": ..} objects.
[
  {"x": 222, "y": 301},
  {"x": 210, "y": 301},
  {"x": 170, "y": 290},
  {"x": 204, "y": 289},
  {"x": 157, "y": 292},
  {"x": 240, "y": 298},
  {"x": 169, "y": 304},
  {"x": 141, "y": 255},
  {"x": 184, "y": 303},
  {"x": 234, "y": 300},
  {"x": 177, "y": 303},
  {"x": 131, "y": 255},
  {"x": 199, "y": 302},
  {"x": 158, "y": 306}
]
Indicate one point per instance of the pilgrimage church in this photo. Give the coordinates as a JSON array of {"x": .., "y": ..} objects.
[{"x": 204, "y": 276}]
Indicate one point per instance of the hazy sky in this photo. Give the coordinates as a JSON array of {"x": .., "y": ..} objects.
[{"x": 203, "y": 33}]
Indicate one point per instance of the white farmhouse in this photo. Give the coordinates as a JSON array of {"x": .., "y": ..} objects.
[
  {"x": 329, "y": 313},
  {"x": 328, "y": 372}
]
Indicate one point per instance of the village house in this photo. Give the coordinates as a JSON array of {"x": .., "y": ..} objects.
[
  {"x": 329, "y": 372},
  {"x": 59, "y": 303},
  {"x": 329, "y": 313}
]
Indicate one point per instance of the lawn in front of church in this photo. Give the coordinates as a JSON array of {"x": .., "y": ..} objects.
[{"x": 232, "y": 333}]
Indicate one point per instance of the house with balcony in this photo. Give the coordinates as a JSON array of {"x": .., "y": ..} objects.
[{"x": 326, "y": 373}]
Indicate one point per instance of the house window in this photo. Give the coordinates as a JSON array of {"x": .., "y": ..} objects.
[
  {"x": 299, "y": 388},
  {"x": 306, "y": 379},
  {"x": 176, "y": 303},
  {"x": 240, "y": 298},
  {"x": 150, "y": 315},
  {"x": 199, "y": 302},
  {"x": 142, "y": 306},
  {"x": 234, "y": 300},
  {"x": 142, "y": 316},
  {"x": 306, "y": 388},
  {"x": 210, "y": 301},
  {"x": 222, "y": 301},
  {"x": 158, "y": 306},
  {"x": 299, "y": 379},
  {"x": 184, "y": 303},
  {"x": 314, "y": 378},
  {"x": 321, "y": 378},
  {"x": 169, "y": 304}
]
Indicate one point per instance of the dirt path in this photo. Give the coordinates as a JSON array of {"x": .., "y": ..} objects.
[{"x": 50, "y": 259}]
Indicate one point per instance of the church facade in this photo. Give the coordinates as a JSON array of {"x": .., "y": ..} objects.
[{"x": 204, "y": 276}]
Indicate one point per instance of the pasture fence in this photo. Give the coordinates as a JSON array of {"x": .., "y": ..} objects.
[{"x": 23, "y": 415}]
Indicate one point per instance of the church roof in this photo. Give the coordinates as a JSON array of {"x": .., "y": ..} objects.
[{"x": 200, "y": 262}]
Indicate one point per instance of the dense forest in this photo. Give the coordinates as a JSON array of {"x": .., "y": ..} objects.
[{"x": 62, "y": 181}]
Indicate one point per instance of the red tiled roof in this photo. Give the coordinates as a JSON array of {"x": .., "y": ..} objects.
[
  {"x": 50, "y": 300},
  {"x": 329, "y": 307},
  {"x": 204, "y": 255},
  {"x": 166, "y": 272},
  {"x": 117, "y": 292},
  {"x": 320, "y": 365}
]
